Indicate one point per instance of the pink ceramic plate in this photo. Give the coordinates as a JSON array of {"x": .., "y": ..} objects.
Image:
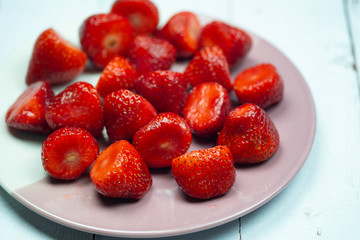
[{"x": 165, "y": 210}]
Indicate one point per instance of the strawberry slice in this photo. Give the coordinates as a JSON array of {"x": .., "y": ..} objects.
[
  {"x": 120, "y": 172},
  {"x": 28, "y": 111},
  {"x": 142, "y": 14},
  {"x": 68, "y": 152},
  {"x": 206, "y": 108},
  {"x": 260, "y": 85},
  {"x": 54, "y": 59},
  {"x": 165, "y": 137},
  {"x": 204, "y": 174},
  {"x": 104, "y": 36}
]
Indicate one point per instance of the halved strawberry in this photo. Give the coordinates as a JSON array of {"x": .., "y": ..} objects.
[
  {"x": 125, "y": 113},
  {"x": 54, "y": 59},
  {"x": 104, "y": 36},
  {"x": 68, "y": 152},
  {"x": 206, "y": 108},
  {"x": 165, "y": 137},
  {"x": 142, "y": 14},
  {"x": 120, "y": 172},
  {"x": 78, "y": 105},
  {"x": 260, "y": 85},
  {"x": 28, "y": 111},
  {"x": 118, "y": 74}
]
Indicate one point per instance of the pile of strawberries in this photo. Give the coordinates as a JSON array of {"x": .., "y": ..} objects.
[{"x": 150, "y": 113}]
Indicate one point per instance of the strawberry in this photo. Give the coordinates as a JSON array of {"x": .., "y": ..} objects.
[
  {"x": 78, "y": 105},
  {"x": 54, "y": 59},
  {"x": 28, "y": 111},
  {"x": 206, "y": 108},
  {"x": 165, "y": 90},
  {"x": 120, "y": 172},
  {"x": 104, "y": 36},
  {"x": 234, "y": 42},
  {"x": 209, "y": 65},
  {"x": 250, "y": 134},
  {"x": 206, "y": 173},
  {"x": 125, "y": 113},
  {"x": 68, "y": 152},
  {"x": 118, "y": 74},
  {"x": 165, "y": 137},
  {"x": 183, "y": 31},
  {"x": 149, "y": 54},
  {"x": 142, "y": 14},
  {"x": 260, "y": 85}
]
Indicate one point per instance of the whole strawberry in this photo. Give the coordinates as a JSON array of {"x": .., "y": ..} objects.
[
  {"x": 205, "y": 174},
  {"x": 54, "y": 59},
  {"x": 250, "y": 134},
  {"x": 165, "y": 137},
  {"x": 120, "y": 172}
]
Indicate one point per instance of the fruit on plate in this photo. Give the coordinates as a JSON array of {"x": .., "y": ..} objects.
[
  {"x": 78, "y": 105},
  {"x": 149, "y": 54},
  {"x": 142, "y": 14},
  {"x": 68, "y": 152},
  {"x": 125, "y": 113},
  {"x": 209, "y": 65},
  {"x": 206, "y": 108},
  {"x": 234, "y": 42},
  {"x": 104, "y": 36},
  {"x": 206, "y": 173},
  {"x": 120, "y": 172},
  {"x": 28, "y": 111},
  {"x": 165, "y": 137},
  {"x": 183, "y": 31},
  {"x": 250, "y": 134},
  {"x": 54, "y": 59},
  {"x": 260, "y": 84},
  {"x": 165, "y": 90},
  {"x": 119, "y": 73}
]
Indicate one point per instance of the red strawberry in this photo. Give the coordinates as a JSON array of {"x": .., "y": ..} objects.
[
  {"x": 54, "y": 59},
  {"x": 104, "y": 36},
  {"x": 142, "y": 14},
  {"x": 118, "y": 74},
  {"x": 149, "y": 54},
  {"x": 250, "y": 134},
  {"x": 165, "y": 90},
  {"x": 183, "y": 31},
  {"x": 28, "y": 111},
  {"x": 165, "y": 137},
  {"x": 260, "y": 85},
  {"x": 125, "y": 113},
  {"x": 234, "y": 42},
  {"x": 120, "y": 172},
  {"x": 78, "y": 105},
  {"x": 205, "y": 174},
  {"x": 206, "y": 108},
  {"x": 68, "y": 152},
  {"x": 209, "y": 65}
]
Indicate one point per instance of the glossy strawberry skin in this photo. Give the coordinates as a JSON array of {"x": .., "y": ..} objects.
[
  {"x": 28, "y": 111},
  {"x": 78, "y": 105},
  {"x": 260, "y": 85},
  {"x": 205, "y": 174},
  {"x": 209, "y": 65},
  {"x": 250, "y": 134},
  {"x": 120, "y": 172},
  {"x": 206, "y": 108},
  {"x": 125, "y": 113},
  {"x": 119, "y": 73},
  {"x": 165, "y": 137},
  {"x": 54, "y": 59},
  {"x": 68, "y": 152}
]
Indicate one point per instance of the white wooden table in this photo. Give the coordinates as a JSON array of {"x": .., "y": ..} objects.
[{"x": 322, "y": 38}]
